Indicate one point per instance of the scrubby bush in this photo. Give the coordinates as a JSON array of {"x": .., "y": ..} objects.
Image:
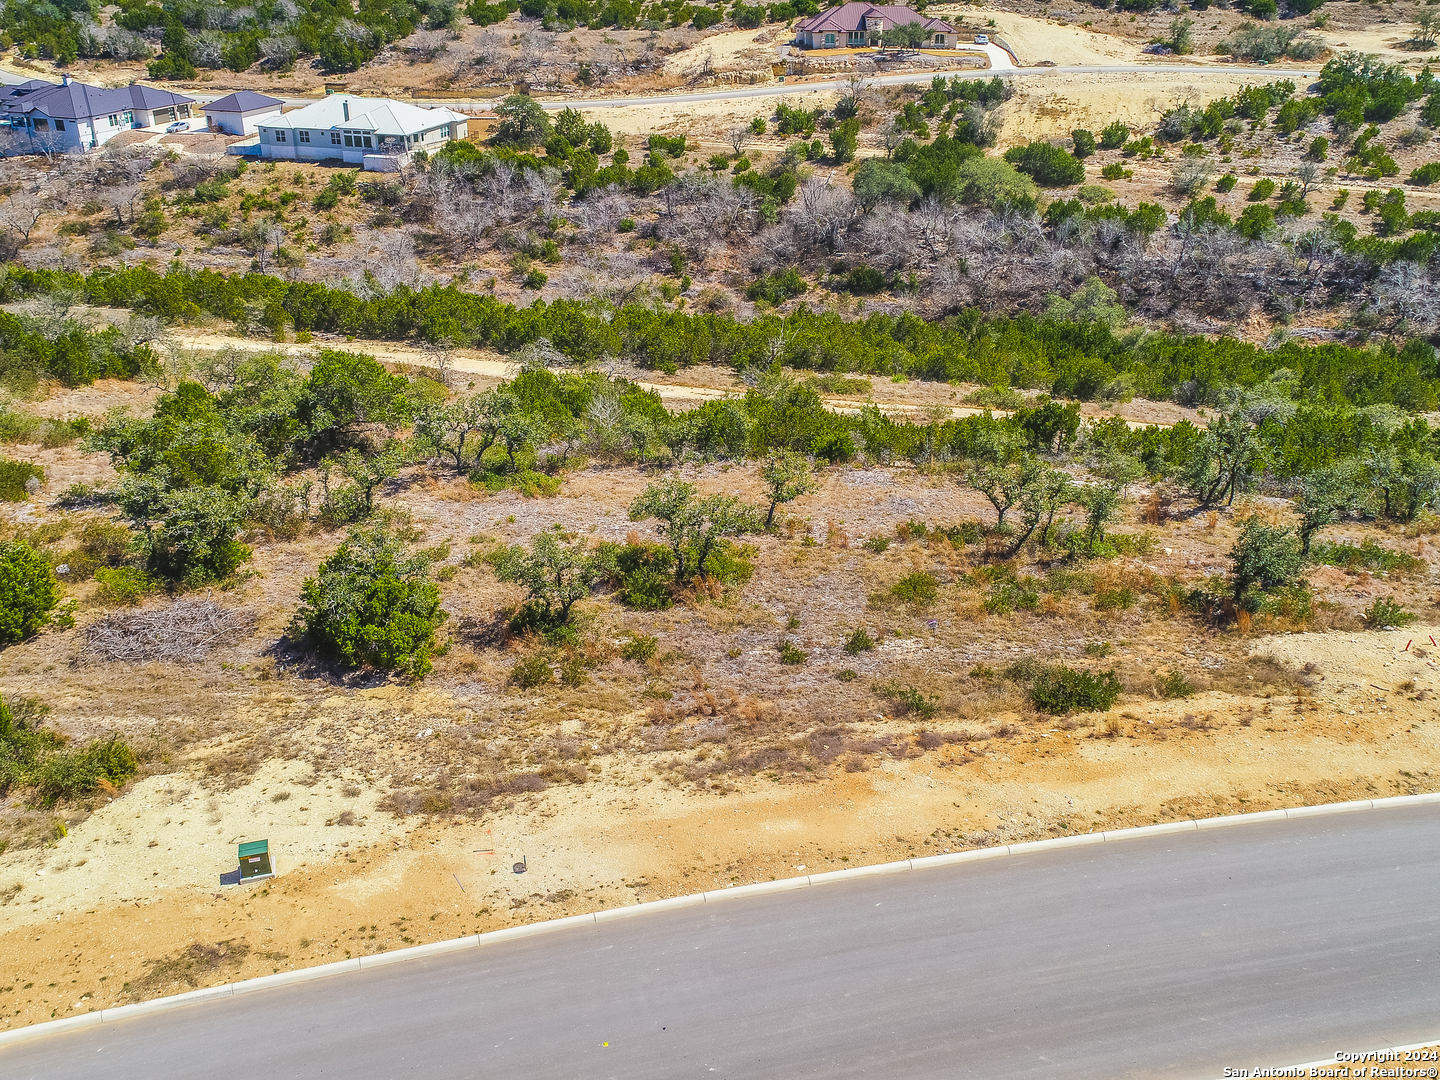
[
  {"x": 531, "y": 671},
  {"x": 1060, "y": 689},
  {"x": 1084, "y": 142},
  {"x": 28, "y": 591},
  {"x": 645, "y": 573},
  {"x": 859, "y": 641},
  {"x": 1173, "y": 684},
  {"x": 1264, "y": 557},
  {"x": 1114, "y": 135},
  {"x": 790, "y": 653},
  {"x": 34, "y": 756},
  {"x": 1426, "y": 174},
  {"x": 1385, "y": 611},
  {"x": 695, "y": 528},
  {"x": 15, "y": 476},
  {"x": 1047, "y": 165},
  {"x": 917, "y": 588},
  {"x": 372, "y": 605},
  {"x": 123, "y": 584},
  {"x": 640, "y": 647},
  {"x": 556, "y": 572},
  {"x": 908, "y": 699}
]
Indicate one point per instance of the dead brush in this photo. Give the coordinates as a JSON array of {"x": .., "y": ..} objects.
[
  {"x": 1156, "y": 507},
  {"x": 183, "y": 632}
]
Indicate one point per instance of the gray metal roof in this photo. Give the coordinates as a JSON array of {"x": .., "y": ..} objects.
[{"x": 243, "y": 101}]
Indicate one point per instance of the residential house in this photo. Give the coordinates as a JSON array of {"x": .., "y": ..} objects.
[
  {"x": 856, "y": 25},
  {"x": 74, "y": 116},
  {"x": 240, "y": 113},
  {"x": 375, "y": 133}
]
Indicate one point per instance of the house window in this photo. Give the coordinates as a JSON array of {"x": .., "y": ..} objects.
[
  {"x": 349, "y": 139},
  {"x": 59, "y": 125},
  {"x": 41, "y": 124},
  {"x": 114, "y": 119},
  {"x": 304, "y": 136},
  {"x": 939, "y": 39},
  {"x": 367, "y": 140},
  {"x": 829, "y": 40},
  {"x": 334, "y": 138},
  {"x": 279, "y": 136}
]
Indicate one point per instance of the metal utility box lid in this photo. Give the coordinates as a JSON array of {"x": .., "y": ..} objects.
[{"x": 255, "y": 860}]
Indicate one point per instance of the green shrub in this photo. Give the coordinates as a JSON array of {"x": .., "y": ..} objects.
[
  {"x": 645, "y": 574},
  {"x": 859, "y": 641},
  {"x": 1263, "y": 558},
  {"x": 778, "y": 287},
  {"x": 13, "y": 477},
  {"x": 908, "y": 699},
  {"x": 1010, "y": 594},
  {"x": 17, "y": 427},
  {"x": 1368, "y": 556},
  {"x": 123, "y": 584},
  {"x": 531, "y": 671},
  {"x": 640, "y": 647},
  {"x": 572, "y": 671},
  {"x": 846, "y": 675},
  {"x": 1173, "y": 684},
  {"x": 1119, "y": 598},
  {"x": 1047, "y": 165},
  {"x": 1263, "y": 189},
  {"x": 1114, "y": 135},
  {"x": 1426, "y": 174},
  {"x": 1226, "y": 183},
  {"x": 1116, "y": 171},
  {"x": 1061, "y": 689},
  {"x": 876, "y": 545},
  {"x": 917, "y": 588},
  {"x": 28, "y": 591},
  {"x": 32, "y": 755},
  {"x": 372, "y": 605},
  {"x": 790, "y": 653},
  {"x": 1385, "y": 611}
]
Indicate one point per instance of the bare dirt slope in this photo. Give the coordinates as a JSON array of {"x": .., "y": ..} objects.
[{"x": 127, "y": 906}]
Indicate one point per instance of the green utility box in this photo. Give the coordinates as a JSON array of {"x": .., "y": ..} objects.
[{"x": 255, "y": 860}]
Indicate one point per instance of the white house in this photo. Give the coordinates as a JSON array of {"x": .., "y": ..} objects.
[
  {"x": 240, "y": 113},
  {"x": 75, "y": 116},
  {"x": 374, "y": 133}
]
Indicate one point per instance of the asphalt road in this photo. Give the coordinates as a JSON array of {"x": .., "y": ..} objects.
[
  {"x": 740, "y": 93},
  {"x": 835, "y": 82},
  {"x": 1174, "y": 956}
]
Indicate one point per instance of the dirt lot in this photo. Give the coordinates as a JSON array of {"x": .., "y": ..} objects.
[{"x": 396, "y": 813}]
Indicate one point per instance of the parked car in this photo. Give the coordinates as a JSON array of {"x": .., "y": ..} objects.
[
  {"x": 179, "y": 125},
  {"x": 982, "y": 39}
]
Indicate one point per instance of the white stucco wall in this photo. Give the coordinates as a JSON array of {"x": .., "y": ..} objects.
[{"x": 240, "y": 123}]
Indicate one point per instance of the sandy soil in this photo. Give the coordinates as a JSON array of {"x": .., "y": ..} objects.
[
  {"x": 127, "y": 906},
  {"x": 731, "y": 50},
  {"x": 1053, "y": 106},
  {"x": 1037, "y": 40}
]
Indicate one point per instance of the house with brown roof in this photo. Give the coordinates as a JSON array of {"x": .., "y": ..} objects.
[{"x": 856, "y": 25}]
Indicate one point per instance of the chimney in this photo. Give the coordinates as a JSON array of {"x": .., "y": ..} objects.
[
  {"x": 65, "y": 79},
  {"x": 345, "y": 108}
]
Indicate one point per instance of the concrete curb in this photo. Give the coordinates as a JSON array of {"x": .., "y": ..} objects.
[{"x": 494, "y": 937}]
